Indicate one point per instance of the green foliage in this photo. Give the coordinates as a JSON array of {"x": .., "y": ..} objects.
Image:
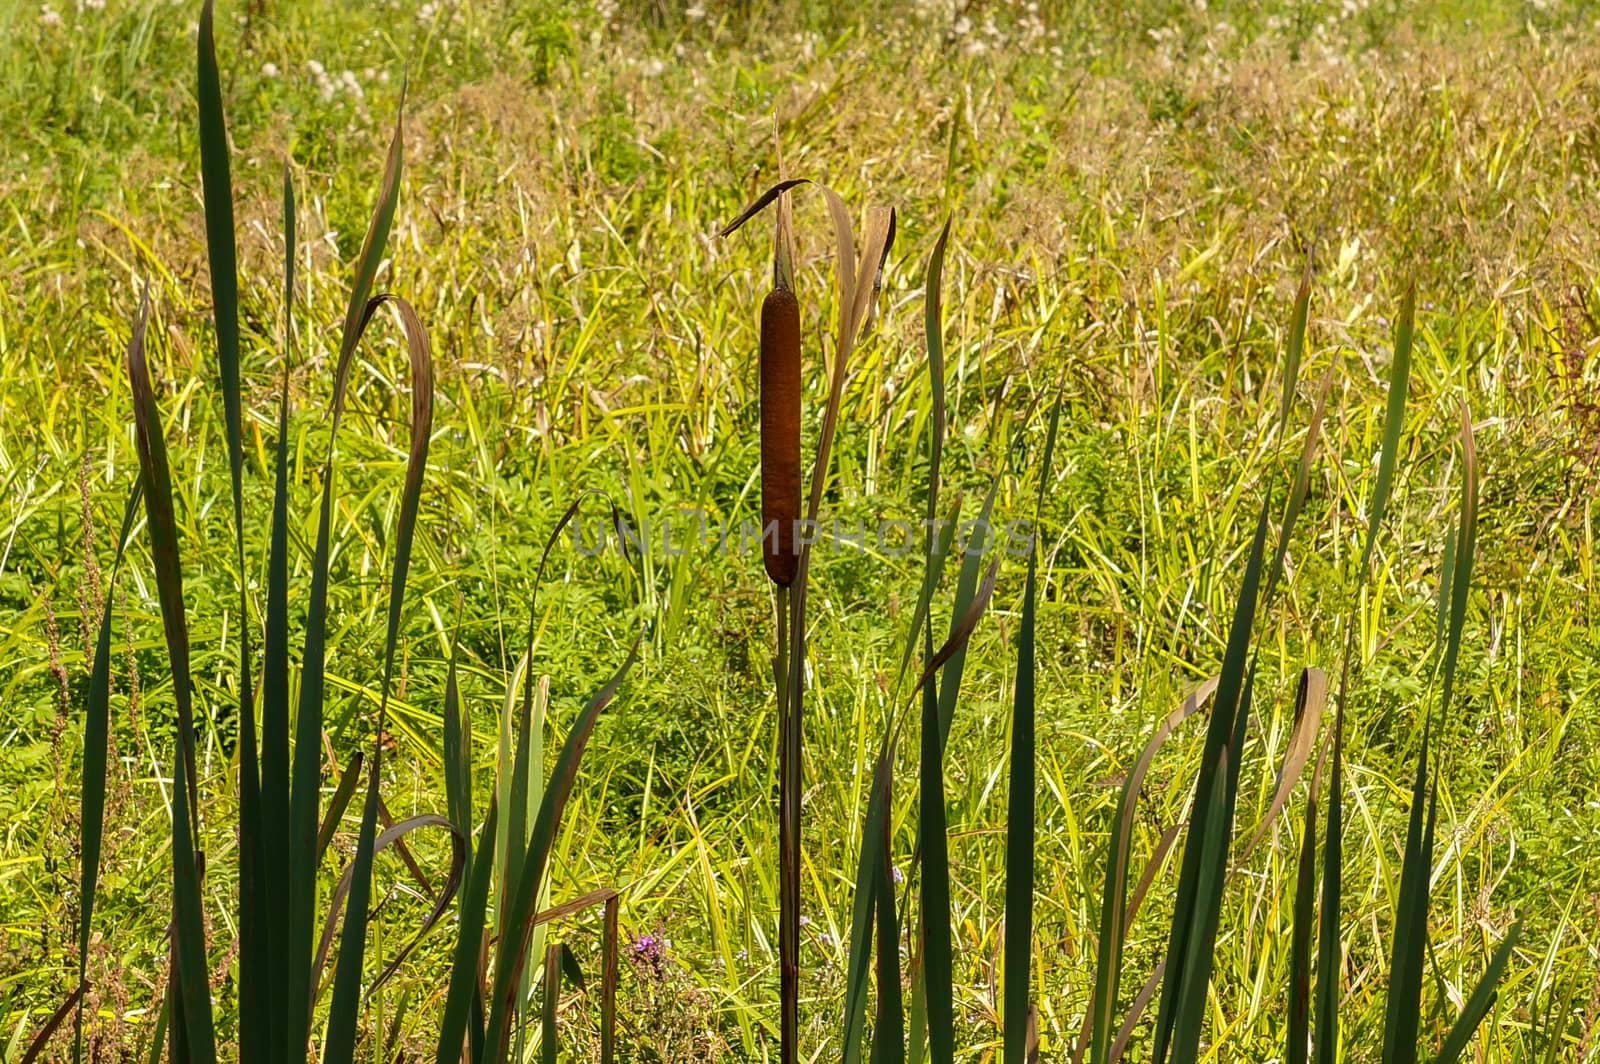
[{"x": 1134, "y": 193}]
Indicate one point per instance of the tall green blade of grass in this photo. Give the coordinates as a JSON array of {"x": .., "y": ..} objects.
[
  {"x": 158, "y": 1037},
  {"x": 872, "y": 896},
  {"x": 867, "y": 894},
  {"x": 522, "y": 792},
  {"x": 1308, "y": 716},
  {"x": 217, "y": 186},
  {"x": 1116, "y": 912},
  {"x": 275, "y": 824},
  {"x": 1403, "y": 1011},
  {"x": 1466, "y": 550},
  {"x": 1196, "y": 962},
  {"x": 1305, "y": 891},
  {"x": 523, "y": 735},
  {"x": 933, "y": 331},
  {"x": 971, "y": 559},
  {"x": 192, "y": 1038},
  {"x": 342, "y": 793},
  {"x": 462, "y": 995},
  {"x": 937, "y": 972},
  {"x": 934, "y": 911},
  {"x": 549, "y": 1042},
  {"x": 1298, "y": 490},
  {"x": 889, "y": 1029},
  {"x": 506, "y": 736},
  {"x": 1204, "y": 844},
  {"x": 968, "y": 579},
  {"x": 343, "y": 1011},
  {"x": 1020, "y": 825},
  {"x": 916, "y": 1014},
  {"x": 1189, "y": 1017},
  {"x": 260, "y": 923},
  {"x": 457, "y": 747},
  {"x": 1329, "y": 951},
  {"x": 868, "y": 901},
  {"x": 1393, "y": 421},
  {"x": 306, "y": 771},
  {"x": 942, "y": 671},
  {"x": 92, "y": 807},
  {"x": 1295, "y": 345}
]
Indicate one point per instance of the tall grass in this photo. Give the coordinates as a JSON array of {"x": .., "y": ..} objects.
[
  {"x": 1184, "y": 975},
  {"x": 500, "y": 882}
]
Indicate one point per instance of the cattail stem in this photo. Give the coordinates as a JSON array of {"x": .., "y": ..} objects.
[
  {"x": 788, "y": 842},
  {"x": 780, "y": 434}
]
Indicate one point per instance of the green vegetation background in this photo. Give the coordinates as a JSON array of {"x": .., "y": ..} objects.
[{"x": 1133, "y": 194}]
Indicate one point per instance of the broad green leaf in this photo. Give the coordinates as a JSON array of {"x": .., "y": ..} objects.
[{"x": 259, "y": 943}]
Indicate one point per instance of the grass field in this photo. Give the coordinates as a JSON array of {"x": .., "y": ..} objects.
[{"x": 1133, "y": 199}]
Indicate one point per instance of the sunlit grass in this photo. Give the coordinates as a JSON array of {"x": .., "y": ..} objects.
[{"x": 1141, "y": 231}]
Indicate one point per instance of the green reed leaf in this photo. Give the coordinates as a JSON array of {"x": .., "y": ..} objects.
[
  {"x": 1020, "y": 821},
  {"x": 1483, "y": 995}
]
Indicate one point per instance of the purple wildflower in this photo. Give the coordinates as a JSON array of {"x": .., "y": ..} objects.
[{"x": 648, "y": 947}]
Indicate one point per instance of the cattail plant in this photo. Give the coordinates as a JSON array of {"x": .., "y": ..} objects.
[
  {"x": 780, "y": 411},
  {"x": 785, "y": 557}
]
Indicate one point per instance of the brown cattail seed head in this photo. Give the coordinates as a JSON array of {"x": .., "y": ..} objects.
[{"x": 780, "y": 434}]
